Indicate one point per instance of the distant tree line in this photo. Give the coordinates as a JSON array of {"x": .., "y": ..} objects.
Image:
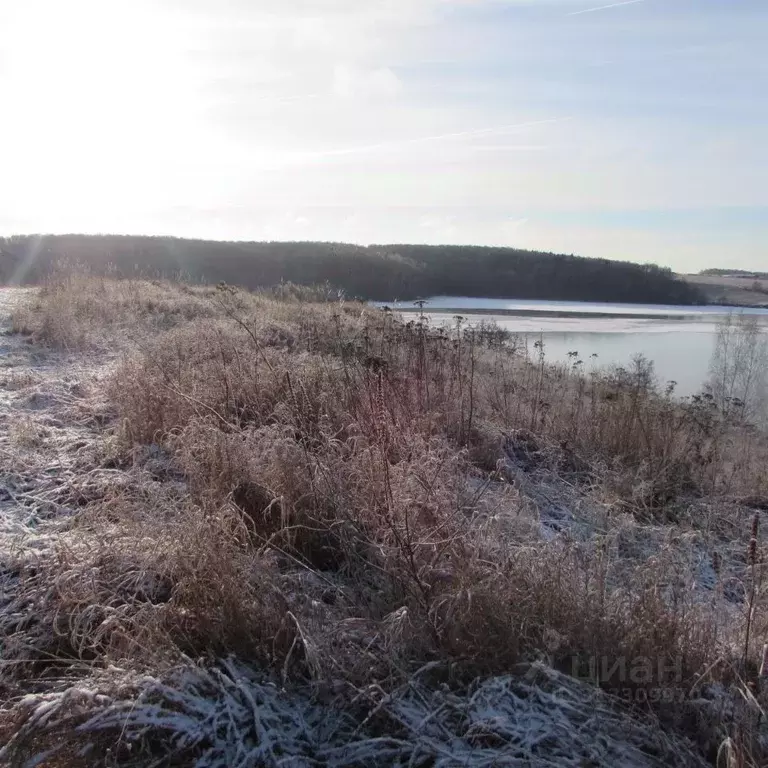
[
  {"x": 720, "y": 272},
  {"x": 378, "y": 272}
]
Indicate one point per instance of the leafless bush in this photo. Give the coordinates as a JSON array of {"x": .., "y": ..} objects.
[{"x": 738, "y": 369}]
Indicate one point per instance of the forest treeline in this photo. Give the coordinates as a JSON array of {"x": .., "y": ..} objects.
[
  {"x": 376, "y": 272},
  {"x": 720, "y": 272}
]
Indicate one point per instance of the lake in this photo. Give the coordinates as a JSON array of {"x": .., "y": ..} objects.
[{"x": 678, "y": 339}]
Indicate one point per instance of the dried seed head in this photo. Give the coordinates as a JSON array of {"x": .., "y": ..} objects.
[
  {"x": 764, "y": 663},
  {"x": 382, "y": 427},
  {"x": 752, "y": 552}
]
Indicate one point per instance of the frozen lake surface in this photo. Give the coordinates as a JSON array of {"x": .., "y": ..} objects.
[{"x": 678, "y": 339}]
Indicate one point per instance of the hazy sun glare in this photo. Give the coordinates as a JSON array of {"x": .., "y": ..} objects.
[{"x": 103, "y": 110}]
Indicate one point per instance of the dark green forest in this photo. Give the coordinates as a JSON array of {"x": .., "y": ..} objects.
[{"x": 380, "y": 272}]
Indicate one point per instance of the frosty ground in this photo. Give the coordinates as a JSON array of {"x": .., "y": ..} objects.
[{"x": 232, "y": 534}]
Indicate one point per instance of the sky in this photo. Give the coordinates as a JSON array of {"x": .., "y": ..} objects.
[{"x": 632, "y": 130}]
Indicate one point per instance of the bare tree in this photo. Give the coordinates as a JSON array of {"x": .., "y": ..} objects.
[{"x": 739, "y": 368}]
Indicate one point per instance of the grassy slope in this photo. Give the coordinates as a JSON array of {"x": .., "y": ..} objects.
[
  {"x": 734, "y": 291},
  {"x": 340, "y": 500}
]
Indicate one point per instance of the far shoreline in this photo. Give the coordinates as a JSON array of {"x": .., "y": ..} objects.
[{"x": 527, "y": 312}]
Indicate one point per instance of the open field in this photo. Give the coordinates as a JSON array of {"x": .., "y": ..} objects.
[
  {"x": 272, "y": 529},
  {"x": 731, "y": 290}
]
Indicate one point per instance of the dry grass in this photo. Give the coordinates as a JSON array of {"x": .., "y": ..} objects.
[
  {"x": 72, "y": 310},
  {"x": 731, "y": 291},
  {"x": 342, "y": 498}
]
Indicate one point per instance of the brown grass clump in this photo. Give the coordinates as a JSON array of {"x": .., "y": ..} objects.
[
  {"x": 364, "y": 496},
  {"x": 335, "y": 460},
  {"x": 132, "y": 592},
  {"x": 72, "y": 310}
]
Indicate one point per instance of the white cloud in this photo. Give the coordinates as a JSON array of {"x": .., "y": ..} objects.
[{"x": 350, "y": 82}]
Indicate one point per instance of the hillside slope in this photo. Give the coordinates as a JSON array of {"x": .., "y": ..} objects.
[
  {"x": 241, "y": 531},
  {"x": 731, "y": 291}
]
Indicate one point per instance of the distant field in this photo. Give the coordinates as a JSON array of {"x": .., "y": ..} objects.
[{"x": 731, "y": 290}]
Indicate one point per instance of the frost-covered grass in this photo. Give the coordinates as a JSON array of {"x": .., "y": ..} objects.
[
  {"x": 365, "y": 532},
  {"x": 228, "y": 716}
]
